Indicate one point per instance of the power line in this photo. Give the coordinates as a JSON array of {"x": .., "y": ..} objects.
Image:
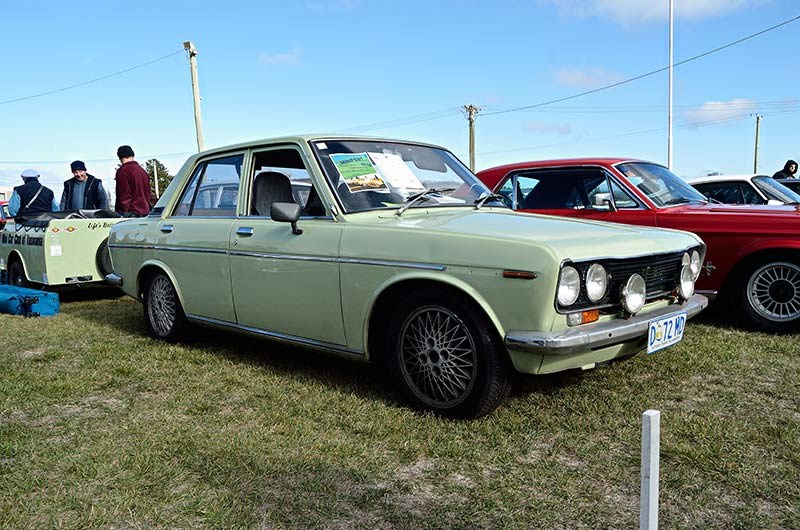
[
  {"x": 618, "y": 83},
  {"x": 409, "y": 120},
  {"x": 90, "y": 81}
]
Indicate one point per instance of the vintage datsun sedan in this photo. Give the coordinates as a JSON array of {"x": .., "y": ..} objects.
[
  {"x": 753, "y": 259},
  {"x": 393, "y": 252}
]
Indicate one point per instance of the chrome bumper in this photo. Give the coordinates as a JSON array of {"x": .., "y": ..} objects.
[
  {"x": 599, "y": 335},
  {"x": 114, "y": 279}
]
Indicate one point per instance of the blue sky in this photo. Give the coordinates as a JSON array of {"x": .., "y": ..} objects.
[{"x": 401, "y": 70}]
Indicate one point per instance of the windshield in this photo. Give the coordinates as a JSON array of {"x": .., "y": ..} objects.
[
  {"x": 370, "y": 175},
  {"x": 660, "y": 185},
  {"x": 775, "y": 190}
]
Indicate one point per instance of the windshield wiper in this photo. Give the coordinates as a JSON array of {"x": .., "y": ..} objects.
[
  {"x": 421, "y": 196},
  {"x": 480, "y": 201}
]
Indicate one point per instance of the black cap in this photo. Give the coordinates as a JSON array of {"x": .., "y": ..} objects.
[
  {"x": 124, "y": 151},
  {"x": 75, "y": 166}
]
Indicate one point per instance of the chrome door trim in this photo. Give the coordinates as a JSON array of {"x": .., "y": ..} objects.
[
  {"x": 293, "y": 257},
  {"x": 281, "y": 337},
  {"x": 167, "y": 228},
  {"x": 389, "y": 263}
]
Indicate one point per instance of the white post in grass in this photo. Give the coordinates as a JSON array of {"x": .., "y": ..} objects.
[{"x": 651, "y": 444}]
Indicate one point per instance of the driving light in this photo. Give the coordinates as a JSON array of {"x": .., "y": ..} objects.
[
  {"x": 695, "y": 265},
  {"x": 596, "y": 282},
  {"x": 686, "y": 287},
  {"x": 633, "y": 294},
  {"x": 569, "y": 286}
]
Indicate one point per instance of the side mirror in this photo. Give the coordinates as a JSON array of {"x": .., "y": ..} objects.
[
  {"x": 604, "y": 201},
  {"x": 286, "y": 212},
  {"x": 774, "y": 202}
]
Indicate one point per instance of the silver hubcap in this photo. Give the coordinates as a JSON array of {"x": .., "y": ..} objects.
[
  {"x": 774, "y": 291},
  {"x": 438, "y": 357},
  {"x": 161, "y": 305}
]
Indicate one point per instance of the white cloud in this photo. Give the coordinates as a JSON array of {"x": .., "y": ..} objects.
[
  {"x": 631, "y": 12},
  {"x": 292, "y": 57},
  {"x": 720, "y": 110},
  {"x": 546, "y": 128},
  {"x": 589, "y": 78}
]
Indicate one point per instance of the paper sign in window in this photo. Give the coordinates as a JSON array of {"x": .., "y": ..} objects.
[
  {"x": 358, "y": 172},
  {"x": 396, "y": 173}
]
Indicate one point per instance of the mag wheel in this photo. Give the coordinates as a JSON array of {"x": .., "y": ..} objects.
[
  {"x": 444, "y": 357},
  {"x": 162, "y": 309},
  {"x": 770, "y": 296}
]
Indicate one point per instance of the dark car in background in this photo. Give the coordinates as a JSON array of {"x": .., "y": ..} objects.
[{"x": 744, "y": 189}]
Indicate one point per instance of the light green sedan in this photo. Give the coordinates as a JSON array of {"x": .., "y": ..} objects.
[{"x": 393, "y": 252}]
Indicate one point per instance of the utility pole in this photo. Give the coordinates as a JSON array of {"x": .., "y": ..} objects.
[
  {"x": 472, "y": 111},
  {"x": 755, "y": 157},
  {"x": 669, "y": 117},
  {"x": 198, "y": 122},
  {"x": 155, "y": 176}
]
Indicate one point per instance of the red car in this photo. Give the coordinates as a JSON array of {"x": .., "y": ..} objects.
[
  {"x": 753, "y": 254},
  {"x": 3, "y": 213}
]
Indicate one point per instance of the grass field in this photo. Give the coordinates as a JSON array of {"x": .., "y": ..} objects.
[{"x": 102, "y": 427}]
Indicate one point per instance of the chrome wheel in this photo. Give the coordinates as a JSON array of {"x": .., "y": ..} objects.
[
  {"x": 162, "y": 308},
  {"x": 438, "y": 358},
  {"x": 773, "y": 291}
]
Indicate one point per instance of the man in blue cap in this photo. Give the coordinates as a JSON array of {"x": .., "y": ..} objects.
[
  {"x": 32, "y": 198},
  {"x": 83, "y": 191}
]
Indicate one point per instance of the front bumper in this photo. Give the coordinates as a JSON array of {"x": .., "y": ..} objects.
[
  {"x": 114, "y": 279},
  {"x": 598, "y": 335}
]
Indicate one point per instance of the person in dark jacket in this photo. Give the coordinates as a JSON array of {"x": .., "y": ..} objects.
[
  {"x": 32, "y": 198},
  {"x": 133, "y": 185},
  {"x": 83, "y": 191},
  {"x": 788, "y": 171}
]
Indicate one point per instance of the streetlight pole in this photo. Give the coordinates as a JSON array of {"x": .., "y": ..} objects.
[
  {"x": 198, "y": 121},
  {"x": 669, "y": 117},
  {"x": 472, "y": 111},
  {"x": 755, "y": 156}
]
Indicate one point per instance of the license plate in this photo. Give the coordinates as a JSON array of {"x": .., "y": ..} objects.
[{"x": 665, "y": 331}]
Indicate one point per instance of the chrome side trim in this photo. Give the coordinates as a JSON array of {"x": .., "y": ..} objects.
[
  {"x": 281, "y": 337},
  {"x": 592, "y": 336},
  {"x": 114, "y": 279},
  {"x": 293, "y": 257},
  {"x": 296, "y": 257},
  {"x": 389, "y": 263}
]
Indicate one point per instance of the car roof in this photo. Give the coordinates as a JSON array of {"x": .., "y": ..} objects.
[
  {"x": 721, "y": 178},
  {"x": 603, "y": 161}
]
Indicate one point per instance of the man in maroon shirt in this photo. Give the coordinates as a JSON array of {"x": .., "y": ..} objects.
[{"x": 133, "y": 186}]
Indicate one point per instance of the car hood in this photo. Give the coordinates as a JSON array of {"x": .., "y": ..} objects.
[{"x": 565, "y": 237}]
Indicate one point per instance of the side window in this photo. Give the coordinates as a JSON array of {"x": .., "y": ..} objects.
[
  {"x": 724, "y": 192},
  {"x": 213, "y": 189},
  {"x": 750, "y": 195},
  {"x": 509, "y": 190},
  {"x": 281, "y": 176}
]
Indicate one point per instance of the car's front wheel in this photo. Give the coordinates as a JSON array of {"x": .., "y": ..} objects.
[
  {"x": 162, "y": 309},
  {"x": 769, "y": 295},
  {"x": 445, "y": 357}
]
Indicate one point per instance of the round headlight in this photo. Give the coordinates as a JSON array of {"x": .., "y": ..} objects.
[
  {"x": 569, "y": 286},
  {"x": 633, "y": 294},
  {"x": 686, "y": 287},
  {"x": 596, "y": 282},
  {"x": 695, "y": 264}
]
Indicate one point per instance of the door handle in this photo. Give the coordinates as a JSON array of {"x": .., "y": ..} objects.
[
  {"x": 245, "y": 231},
  {"x": 166, "y": 229}
]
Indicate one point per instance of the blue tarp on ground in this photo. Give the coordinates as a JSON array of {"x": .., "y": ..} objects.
[{"x": 28, "y": 302}]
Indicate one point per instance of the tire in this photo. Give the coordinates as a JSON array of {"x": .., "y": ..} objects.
[
  {"x": 103, "y": 259},
  {"x": 768, "y": 295},
  {"x": 162, "y": 310},
  {"x": 16, "y": 274},
  {"x": 445, "y": 357}
]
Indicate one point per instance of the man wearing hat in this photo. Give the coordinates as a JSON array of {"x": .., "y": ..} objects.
[
  {"x": 133, "y": 185},
  {"x": 32, "y": 198},
  {"x": 83, "y": 190}
]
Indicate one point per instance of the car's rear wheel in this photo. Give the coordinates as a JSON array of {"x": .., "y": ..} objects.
[
  {"x": 769, "y": 295},
  {"x": 445, "y": 357},
  {"x": 103, "y": 258},
  {"x": 162, "y": 309},
  {"x": 16, "y": 274}
]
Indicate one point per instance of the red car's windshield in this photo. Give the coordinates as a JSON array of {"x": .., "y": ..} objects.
[{"x": 660, "y": 185}]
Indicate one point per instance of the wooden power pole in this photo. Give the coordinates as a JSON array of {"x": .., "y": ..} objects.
[
  {"x": 472, "y": 111},
  {"x": 755, "y": 156},
  {"x": 198, "y": 121}
]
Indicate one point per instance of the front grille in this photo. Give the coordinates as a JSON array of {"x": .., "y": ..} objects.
[{"x": 661, "y": 273}]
